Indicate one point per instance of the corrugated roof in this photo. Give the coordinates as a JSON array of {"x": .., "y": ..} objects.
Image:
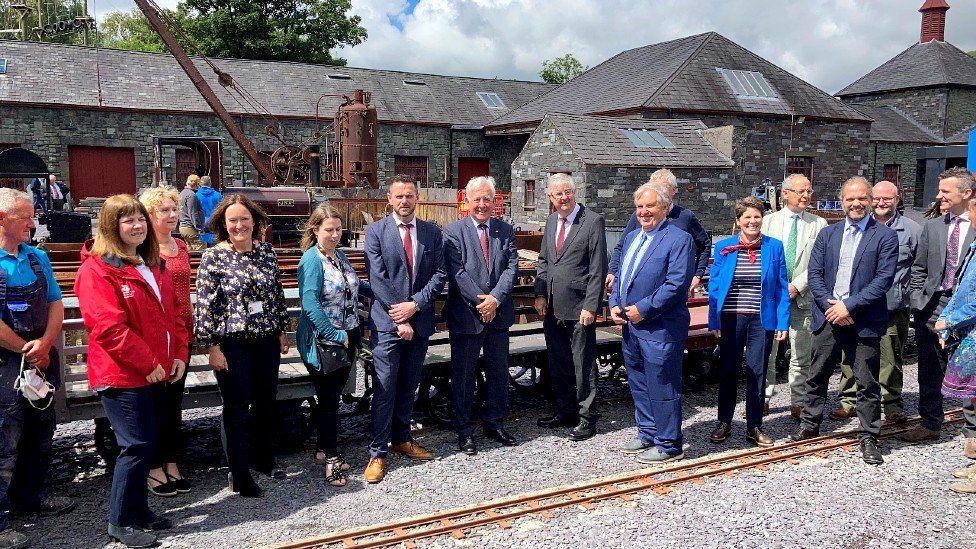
[
  {"x": 893, "y": 125},
  {"x": 930, "y": 64},
  {"x": 598, "y": 140},
  {"x": 40, "y": 73},
  {"x": 680, "y": 75}
]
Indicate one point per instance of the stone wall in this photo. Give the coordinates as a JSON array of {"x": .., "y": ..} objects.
[
  {"x": 545, "y": 152},
  {"x": 962, "y": 111},
  {"x": 927, "y": 107},
  {"x": 906, "y": 156}
]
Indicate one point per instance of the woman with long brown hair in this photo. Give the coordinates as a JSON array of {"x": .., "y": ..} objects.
[
  {"x": 241, "y": 318},
  {"x": 137, "y": 340},
  {"x": 330, "y": 290}
]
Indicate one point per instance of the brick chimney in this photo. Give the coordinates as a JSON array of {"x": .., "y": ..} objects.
[{"x": 933, "y": 20}]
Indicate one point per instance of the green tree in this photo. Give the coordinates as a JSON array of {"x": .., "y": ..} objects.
[
  {"x": 130, "y": 30},
  {"x": 280, "y": 30},
  {"x": 561, "y": 69},
  {"x": 973, "y": 53}
]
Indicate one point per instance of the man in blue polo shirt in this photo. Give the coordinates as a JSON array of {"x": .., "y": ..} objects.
[{"x": 30, "y": 321}]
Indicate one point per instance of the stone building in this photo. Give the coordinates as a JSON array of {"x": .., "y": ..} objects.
[
  {"x": 773, "y": 122},
  {"x": 92, "y": 115},
  {"x": 923, "y": 102}
]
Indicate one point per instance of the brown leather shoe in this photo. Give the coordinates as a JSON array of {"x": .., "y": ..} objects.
[
  {"x": 919, "y": 434},
  {"x": 721, "y": 432},
  {"x": 964, "y": 487},
  {"x": 895, "y": 418},
  {"x": 413, "y": 451},
  {"x": 970, "y": 450},
  {"x": 965, "y": 472},
  {"x": 374, "y": 471},
  {"x": 795, "y": 412},
  {"x": 759, "y": 438},
  {"x": 841, "y": 413}
]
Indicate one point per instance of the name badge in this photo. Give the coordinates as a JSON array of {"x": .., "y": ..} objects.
[
  {"x": 255, "y": 307},
  {"x": 127, "y": 291}
]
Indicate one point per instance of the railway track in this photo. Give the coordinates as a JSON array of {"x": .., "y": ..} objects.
[{"x": 501, "y": 512}]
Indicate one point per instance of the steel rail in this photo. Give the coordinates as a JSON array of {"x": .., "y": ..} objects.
[{"x": 660, "y": 480}]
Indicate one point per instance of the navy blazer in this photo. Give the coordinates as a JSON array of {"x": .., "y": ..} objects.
[
  {"x": 659, "y": 285},
  {"x": 469, "y": 276},
  {"x": 774, "y": 306},
  {"x": 386, "y": 263},
  {"x": 872, "y": 275},
  {"x": 682, "y": 218}
]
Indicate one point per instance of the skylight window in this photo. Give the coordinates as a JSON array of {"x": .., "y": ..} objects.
[
  {"x": 339, "y": 76},
  {"x": 415, "y": 82},
  {"x": 647, "y": 139},
  {"x": 491, "y": 100},
  {"x": 3, "y": 66},
  {"x": 748, "y": 84}
]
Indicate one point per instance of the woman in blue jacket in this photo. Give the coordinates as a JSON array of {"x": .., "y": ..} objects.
[
  {"x": 329, "y": 290},
  {"x": 748, "y": 305}
]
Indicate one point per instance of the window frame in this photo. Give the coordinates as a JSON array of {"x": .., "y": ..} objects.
[
  {"x": 410, "y": 165},
  {"x": 529, "y": 205},
  {"x": 489, "y": 99},
  {"x": 748, "y": 84},
  {"x": 646, "y": 138}
]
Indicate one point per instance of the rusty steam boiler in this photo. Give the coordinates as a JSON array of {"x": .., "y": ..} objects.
[{"x": 355, "y": 141}]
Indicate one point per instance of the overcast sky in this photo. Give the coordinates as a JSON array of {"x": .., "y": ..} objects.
[{"x": 829, "y": 43}]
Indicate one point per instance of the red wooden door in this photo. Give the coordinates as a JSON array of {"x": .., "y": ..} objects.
[
  {"x": 469, "y": 168},
  {"x": 186, "y": 164},
  {"x": 101, "y": 171}
]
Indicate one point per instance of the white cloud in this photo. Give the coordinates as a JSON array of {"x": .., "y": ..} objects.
[{"x": 827, "y": 42}]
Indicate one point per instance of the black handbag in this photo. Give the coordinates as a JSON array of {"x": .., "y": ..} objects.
[{"x": 332, "y": 357}]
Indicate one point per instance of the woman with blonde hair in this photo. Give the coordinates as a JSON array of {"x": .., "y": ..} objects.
[
  {"x": 329, "y": 333},
  {"x": 162, "y": 203},
  {"x": 137, "y": 340}
]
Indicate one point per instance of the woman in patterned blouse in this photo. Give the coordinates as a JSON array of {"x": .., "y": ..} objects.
[
  {"x": 165, "y": 478},
  {"x": 330, "y": 291},
  {"x": 241, "y": 318}
]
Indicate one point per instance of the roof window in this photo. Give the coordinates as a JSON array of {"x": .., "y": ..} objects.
[
  {"x": 491, "y": 100},
  {"x": 339, "y": 76},
  {"x": 647, "y": 139},
  {"x": 415, "y": 83},
  {"x": 3, "y": 66},
  {"x": 748, "y": 84}
]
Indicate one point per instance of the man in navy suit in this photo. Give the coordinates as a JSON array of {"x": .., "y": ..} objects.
[
  {"x": 405, "y": 262},
  {"x": 482, "y": 263},
  {"x": 679, "y": 217},
  {"x": 852, "y": 267},
  {"x": 650, "y": 299}
]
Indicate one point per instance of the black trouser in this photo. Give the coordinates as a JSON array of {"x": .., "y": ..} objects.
[
  {"x": 571, "y": 353},
  {"x": 862, "y": 354},
  {"x": 743, "y": 331},
  {"x": 465, "y": 349},
  {"x": 132, "y": 414},
  {"x": 932, "y": 362},
  {"x": 169, "y": 411},
  {"x": 249, "y": 385},
  {"x": 328, "y": 389}
]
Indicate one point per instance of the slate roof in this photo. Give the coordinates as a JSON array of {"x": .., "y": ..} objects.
[
  {"x": 893, "y": 125},
  {"x": 961, "y": 138},
  {"x": 680, "y": 75},
  {"x": 597, "y": 140},
  {"x": 925, "y": 65},
  {"x": 56, "y": 74}
]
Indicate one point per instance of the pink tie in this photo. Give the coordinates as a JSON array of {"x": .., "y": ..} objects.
[
  {"x": 561, "y": 237},
  {"x": 408, "y": 247},
  {"x": 483, "y": 228}
]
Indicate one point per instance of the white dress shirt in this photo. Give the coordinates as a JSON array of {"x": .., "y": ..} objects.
[
  {"x": 413, "y": 237},
  {"x": 964, "y": 227}
]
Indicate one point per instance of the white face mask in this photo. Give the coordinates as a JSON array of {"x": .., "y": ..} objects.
[{"x": 33, "y": 386}]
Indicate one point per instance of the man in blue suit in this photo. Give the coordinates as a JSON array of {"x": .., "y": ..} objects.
[
  {"x": 405, "y": 263},
  {"x": 482, "y": 263},
  {"x": 677, "y": 216},
  {"x": 852, "y": 266},
  {"x": 650, "y": 300}
]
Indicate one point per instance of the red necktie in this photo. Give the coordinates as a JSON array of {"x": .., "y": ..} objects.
[
  {"x": 408, "y": 247},
  {"x": 562, "y": 236},
  {"x": 483, "y": 229}
]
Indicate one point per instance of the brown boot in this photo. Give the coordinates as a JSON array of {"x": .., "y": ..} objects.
[
  {"x": 759, "y": 438},
  {"x": 374, "y": 471},
  {"x": 841, "y": 413},
  {"x": 721, "y": 433},
  {"x": 413, "y": 451},
  {"x": 795, "y": 412},
  {"x": 919, "y": 434},
  {"x": 964, "y": 487},
  {"x": 970, "y": 450},
  {"x": 895, "y": 418}
]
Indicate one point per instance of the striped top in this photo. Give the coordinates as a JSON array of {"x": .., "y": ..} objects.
[{"x": 746, "y": 289}]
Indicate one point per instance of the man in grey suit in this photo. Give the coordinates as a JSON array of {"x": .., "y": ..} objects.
[
  {"x": 797, "y": 229},
  {"x": 481, "y": 263},
  {"x": 405, "y": 263},
  {"x": 941, "y": 249},
  {"x": 569, "y": 291}
]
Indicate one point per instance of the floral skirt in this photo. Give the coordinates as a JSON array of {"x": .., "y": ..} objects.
[{"x": 960, "y": 378}]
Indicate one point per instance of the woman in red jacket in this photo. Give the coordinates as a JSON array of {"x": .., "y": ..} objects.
[{"x": 137, "y": 341}]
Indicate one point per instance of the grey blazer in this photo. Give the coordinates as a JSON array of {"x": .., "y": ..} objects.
[
  {"x": 573, "y": 280},
  {"x": 468, "y": 276},
  {"x": 929, "y": 266}
]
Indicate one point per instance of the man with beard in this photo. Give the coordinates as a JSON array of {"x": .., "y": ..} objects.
[
  {"x": 886, "y": 200},
  {"x": 405, "y": 263},
  {"x": 851, "y": 270}
]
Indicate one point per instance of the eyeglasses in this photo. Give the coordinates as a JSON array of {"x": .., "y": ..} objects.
[
  {"x": 808, "y": 192},
  {"x": 563, "y": 194}
]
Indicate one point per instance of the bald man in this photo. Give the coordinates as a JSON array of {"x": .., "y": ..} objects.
[{"x": 886, "y": 199}]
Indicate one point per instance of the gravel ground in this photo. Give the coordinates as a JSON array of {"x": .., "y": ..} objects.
[{"x": 834, "y": 502}]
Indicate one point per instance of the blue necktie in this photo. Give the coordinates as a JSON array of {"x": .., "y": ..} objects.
[{"x": 629, "y": 272}]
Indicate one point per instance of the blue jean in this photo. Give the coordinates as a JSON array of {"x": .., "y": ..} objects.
[
  {"x": 654, "y": 377},
  {"x": 743, "y": 331},
  {"x": 132, "y": 413},
  {"x": 398, "y": 365}
]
